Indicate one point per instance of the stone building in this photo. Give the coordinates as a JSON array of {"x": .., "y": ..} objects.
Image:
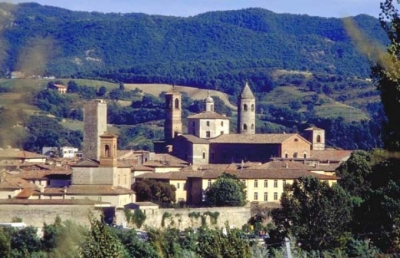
[
  {"x": 173, "y": 112},
  {"x": 95, "y": 124},
  {"x": 246, "y": 112}
]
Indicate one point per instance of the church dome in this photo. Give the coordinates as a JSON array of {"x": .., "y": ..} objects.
[{"x": 208, "y": 99}]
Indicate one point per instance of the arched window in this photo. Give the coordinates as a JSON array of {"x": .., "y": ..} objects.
[
  {"x": 305, "y": 155},
  {"x": 245, "y": 107},
  {"x": 286, "y": 155},
  {"x": 204, "y": 155},
  {"x": 107, "y": 150},
  {"x": 252, "y": 107},
  {"x": 176, "y": 103},
  {"x": 252, "y": 127},
  {"x": 295, "y": 155},
  {"x": 318, "y": 138},
  {"x": 244, "y": 127}
]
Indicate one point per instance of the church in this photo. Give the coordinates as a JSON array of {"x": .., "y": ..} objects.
[{"x": 208, "y": 139}]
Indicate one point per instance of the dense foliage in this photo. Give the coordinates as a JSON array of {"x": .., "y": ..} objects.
[
  {"x": 161, "y": 193},
  {"x": 227, "y": 190}
]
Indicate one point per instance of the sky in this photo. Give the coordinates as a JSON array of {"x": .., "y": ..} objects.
[{"x": 185, "y": 8}]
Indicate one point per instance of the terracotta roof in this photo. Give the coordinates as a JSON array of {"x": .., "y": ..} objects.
[
  {"x": 330, "y": 155},
  {"x": 181, "y": 175},
  {"x": 252, "y": 138},
  {"x": 50, "y": 202},
  {"x": 60, "y": 86},
  {"x": 331, "y": 167},
  {"x": 18, "y": 154},
  {"x": 194, "y": 139},
  {"x": 246, "y": 92},
  {"x": 97, "y": 190},
  {"x": 278, "y": 164},
  {"x": 142, "y": 168},
  {"x": 168, "y": 158},
  {"x": 14, "y": 183},
  {"x": 25, "y": 193},
  {"x": 208, "y": 115}
]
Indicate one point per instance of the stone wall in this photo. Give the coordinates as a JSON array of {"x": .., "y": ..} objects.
[
  {"x": 35, "y": 215},
  {"x": 192, "y": 217}
]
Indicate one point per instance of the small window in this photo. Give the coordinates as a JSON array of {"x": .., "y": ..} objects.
[
  {"x": 99, "y": 199},
  {"x": 318, "y": 138},
  {"x": 296, "y": 140},
  {"x": 208, "y": 123},
  {"x": 256, "y": 183},
  {"x": 265, "y": 197},
  {"x": 209, "y": 182},
  {"x": 176, "y": 103},
  {"x": 286, "y": 155},
  {"x": 305, "y": 155},
  {"x": 204, "y": 155},
  {"x": 178, "y": 185},
  {"x": 252, "y": 127},
  {"x": 222, "y": 123},
  {"x": 275, "y": 196},
  {"x": 295, "y": 155},
  {"x": 222, "y": 132},
  {"x": 275, "y": 183},
  {"x": 208, "y": 134},
  {"x": 255, "y": 196},
  {"x": 245, "y": 107},
  {"x": 244, "y": 127},
  {"x": 265, "y": 183},
  {"x": 252, "y": 107}
]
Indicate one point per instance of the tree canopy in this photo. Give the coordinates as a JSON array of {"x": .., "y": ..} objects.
[{"x": 227, "y": 190}]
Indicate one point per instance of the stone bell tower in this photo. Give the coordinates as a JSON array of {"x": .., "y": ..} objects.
[
  {"x": 94, "y": 125},
  {"x": 173, "y": 113},
  {"x": 246, "y": 112},
  {"x": 108, "y": 150}
]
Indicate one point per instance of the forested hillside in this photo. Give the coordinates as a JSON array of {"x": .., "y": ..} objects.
[{"x": 216, "y": 50}]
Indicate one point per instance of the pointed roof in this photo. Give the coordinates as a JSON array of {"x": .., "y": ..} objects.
[{"x": 246, "y": 92}]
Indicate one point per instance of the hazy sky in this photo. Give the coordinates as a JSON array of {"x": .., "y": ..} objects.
[{"x": 325, "y": 8}]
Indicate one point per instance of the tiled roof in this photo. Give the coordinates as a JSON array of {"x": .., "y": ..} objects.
[
  {"x": 208, "y": 115},
  {"x": 87, "y": 163},
  {"x": 18, "y": 154},
  {"x": 279, "y": 164},
  {"x": 181, "y": 175},
  {"x": 331, "y": 155},
  {"x": 142, "y": 168},
  {"x": 60, "y": 86},
  {"x": 25, "y": 193},
  {"x": 97, "y": 190},
  {"x": 194, "y": 139},
  {"x": 168, "y": 158},
  {"x": 252, "y": 138},
  {"x": 14, "y": 183}
]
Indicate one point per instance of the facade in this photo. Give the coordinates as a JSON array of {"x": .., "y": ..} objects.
[
  {"x": 95, "y": 124},
  {"x": 246, "y": 112}
]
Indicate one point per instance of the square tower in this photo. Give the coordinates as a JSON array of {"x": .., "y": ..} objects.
[
  {"x": 94, "y": 125},
  {"x": 316, "y": 136},
  {"x": 173, "y": 113}
]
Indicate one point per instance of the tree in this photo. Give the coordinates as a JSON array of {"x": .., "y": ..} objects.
[
  {"x": 159, "y": 192},
  {"x": 100, "y": 241},
  {"x": 316, "y": 214},
  {"x": 102, "y": 91},
  {"x": 387, "y": 78},
  {"x": 227, "y": 190}
]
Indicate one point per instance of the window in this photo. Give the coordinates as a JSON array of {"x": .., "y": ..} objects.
[
  {"x": 295, "y": 155},
  {"x": 255, "y": 196},
  {"x": 99, "y": 199},
  {"x": 209, "y": 182},
  {"x": 222, "y": 132},
  {"x": 256, "y": 183},
  {"x": 245, "y": 107},
  {"x": 204, "y": 155},
  {"x": 176, "y": 103},
  {"x": 296, "y": 140},
  {"x": 275, "y": 196},
  {"x": 286, "y": 155},
  {"x": 178, "y": 185},
  {"x": 265, "y": 197},
  {"x": 252, "y": 127},
  {"x": 222, "y": 123},
  {"x": 244, "y": 127},
  {"x": 265, "y": 183},
  {"x": 318, "y": 138},
  {"x": 305, "y": 155},
  {"x": 208, "y": 134},
  {"x": 275, "y": 183},
  {"x": 208, "y": 123},
  {"x": 252, "y": 107}
]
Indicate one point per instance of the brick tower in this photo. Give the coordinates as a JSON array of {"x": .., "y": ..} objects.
[
  {"x": 246, "y": 112},
  {"x": 173, "y": 113},
  {"x": 94, "y": 125}
]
